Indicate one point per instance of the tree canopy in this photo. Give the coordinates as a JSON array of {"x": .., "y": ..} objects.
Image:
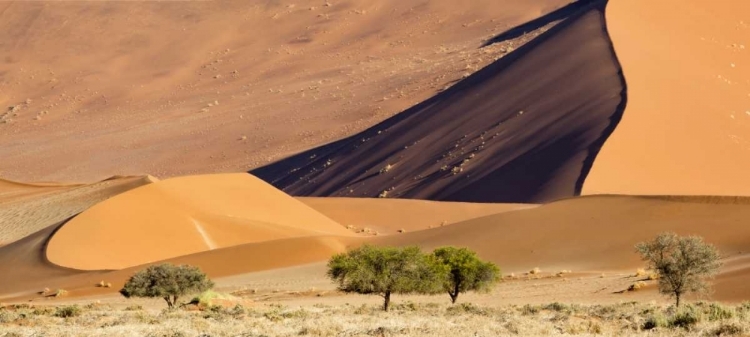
[
  {"x": 467, "y": 271},
  {"x": 684, "y": 264},
  {"x": 167, "y": 281},
  {"x": 385, "y": 270}
]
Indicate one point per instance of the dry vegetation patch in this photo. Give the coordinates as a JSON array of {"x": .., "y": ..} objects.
[{"x": 405, "y": 319}]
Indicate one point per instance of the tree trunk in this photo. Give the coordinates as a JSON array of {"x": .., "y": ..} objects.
[
  {"x": 387, "y": 301},
  {"x": 677, "y": 298},
  {"x": 454, "y": 294},
  {"x": 174, "y": 300},
  {"x": 169, "y": 301}
]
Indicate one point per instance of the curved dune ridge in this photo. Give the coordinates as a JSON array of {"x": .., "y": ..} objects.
[
  {"x": 686, "y": 129},
  {"x": 524, "y": 129},
  {"x": 388, "y": 216},
  {"x": 181, "y": 216},
  {"x": 26, "y": 208}
]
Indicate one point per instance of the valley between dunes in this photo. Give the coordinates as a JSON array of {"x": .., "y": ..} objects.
[{"x": 541, "y": 134}]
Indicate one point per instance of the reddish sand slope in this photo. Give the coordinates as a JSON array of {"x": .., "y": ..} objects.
[
  {"x": 686, "y": 128},
  {"x": 524, "y": 129},
  {"x": 27, "y": 208},
  {"x": 388, "y": 216},
  {"x": 97, "y": 88},
  {"x": 181, "y": 216}
]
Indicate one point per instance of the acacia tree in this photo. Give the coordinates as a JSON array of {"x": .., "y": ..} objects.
[
  {"x": 385, "y": 271},
  {"x": 684, "y": 264},
  {"x": 167, "y": 281},
  {"x": 467, "y": 271}
]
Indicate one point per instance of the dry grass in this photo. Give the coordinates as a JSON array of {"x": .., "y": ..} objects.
[{"x": 405, "y": 319}]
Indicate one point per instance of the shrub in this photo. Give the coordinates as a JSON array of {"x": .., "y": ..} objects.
[
  {"x": 727, "y": 329},
  {"x": 656, "y": 320},
  {"x": 68, "y": 311},
  {"x": 386, "y": 271},
  {"x": 685, "y": 318},
  {"x": 718, "y": 312},
  {"x": 467, "y": 271},
  {"x": 682, "y": 263},
  {"x": 167, "y": 281}
]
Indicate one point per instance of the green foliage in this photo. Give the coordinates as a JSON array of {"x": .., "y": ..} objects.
[
  {"x": 167, "y": 281},
  {"x": 718, "y": 312},
  {"x": 656, "y": 320},
  {"x": 686, "y": 318},
  {"x": 387, "y": 270},
  {"x": 683, "y": 263},
  {"x": 467, "y": 271},
  {"x": 68, "y": 311}
]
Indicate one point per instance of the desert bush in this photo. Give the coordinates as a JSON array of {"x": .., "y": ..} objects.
[
  {"x": 683, "y": 263},
  {"x": 718, "y": 312},
  {"x": 467, "y": 271},
  {"x": 727, "y": 329},
  {"x": 686, "y": 317},
  {"x": 167, "y": 281},
  {"x": 136, "y": 307},
  {"x": 68, "y": 311},
  {"x": 385, "y": 271},
  {"x": 656, "y": 320},
  {"x": 467, "y": 308},
  {"x": 529, "y": 309}
]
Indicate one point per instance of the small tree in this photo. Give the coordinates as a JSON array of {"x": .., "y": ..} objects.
[
  {"x": 684, "y": 264},
  {"x": 467, "y": 271},
  {"x": 385, "y": 271},
  {"x": 167, "y": 281}
]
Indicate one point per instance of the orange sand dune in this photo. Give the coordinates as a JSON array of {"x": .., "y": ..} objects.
[
  {"x": 181, "y": 216},
  {"x": 387, "y": 216},
  {"x": 95, "y": 88},
  {"x": 524, "y": 129},
  {"x": 589, "y": 234},
  {"x": 686, "y": 129},
  {"x": 26, "y": 208}
]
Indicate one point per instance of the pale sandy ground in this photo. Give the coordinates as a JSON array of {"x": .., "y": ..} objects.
[
  {"x": 686, "y": 128},
  {"x": 171, "y": 88}
]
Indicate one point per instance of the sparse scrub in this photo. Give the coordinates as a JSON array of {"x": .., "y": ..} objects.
[
  {"x": 407, "y": 319},
  {"x": 68, "y": 311}
]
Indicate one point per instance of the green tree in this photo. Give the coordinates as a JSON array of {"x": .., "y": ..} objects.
[
  {"x": 167, "y": 281},
  {"x": 467, "y": 271},
  {"x": 385, "y": 271},
  {"x": 684, "y": 264}
]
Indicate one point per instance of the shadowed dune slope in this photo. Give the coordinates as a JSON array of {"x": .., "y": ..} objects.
[
  {"x": 686, "y": 129},
  {"x": 27, "y": 208},
  {"x": 171, "y": 87},
  {"x": 387, "y": 216},
  {"x": 524, "y": 129},
  {"x": 181, "y": 216}
]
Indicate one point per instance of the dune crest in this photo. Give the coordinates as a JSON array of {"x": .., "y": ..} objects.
[
  {"x": 182, "y": 216},
  {"x": 523, "y": 130},
  {"x": 686, "y": 129}
]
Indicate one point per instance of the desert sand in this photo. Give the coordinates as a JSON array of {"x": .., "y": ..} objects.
[
  {"x": 174, "y": 88},
  {"x": 498, "y": 114},
  {"x": 687, "y": 123},
  {"x": 525, "y": 129}
]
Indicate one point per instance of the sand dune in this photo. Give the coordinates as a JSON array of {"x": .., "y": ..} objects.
[
  {"x": 171, "y": 88},
  {"x": 686, "y": 129},
  {"x": 524, "y": 129},
  {"x": 27, "y": 208},
  {"x": 181, "y": 216},
  {"x": 388, "y": 216}
]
